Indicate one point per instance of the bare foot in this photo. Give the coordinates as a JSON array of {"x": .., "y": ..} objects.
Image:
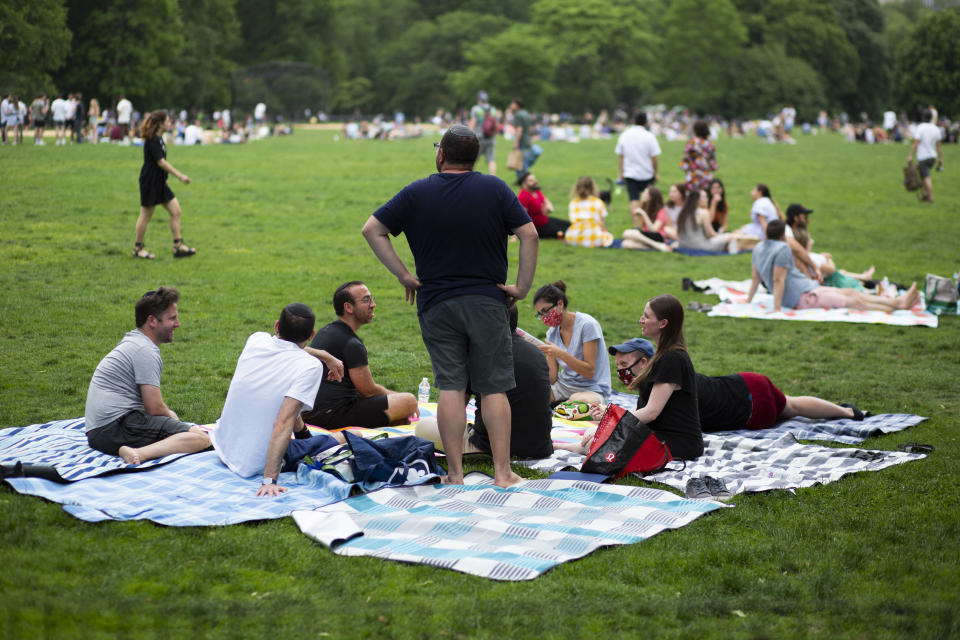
[
  {"x": 665, "y": 248},
  {"x": 508, "y": 481},
  {"x": 911, "y": 297},
  {"x": 448, "y": 479},
  {"x": 130, "y": 455},
  {"x": 868, "y": 274}
]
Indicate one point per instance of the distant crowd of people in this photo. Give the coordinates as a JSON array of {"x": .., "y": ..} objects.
[{"x": 73, "y": 121}]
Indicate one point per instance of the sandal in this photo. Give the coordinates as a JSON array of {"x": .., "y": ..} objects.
[
  {"x": 181, "y": 250},
  {"x": 140, "y": 252}
]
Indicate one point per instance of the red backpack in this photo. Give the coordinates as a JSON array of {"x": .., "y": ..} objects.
[{"x": 490, "y": 125}]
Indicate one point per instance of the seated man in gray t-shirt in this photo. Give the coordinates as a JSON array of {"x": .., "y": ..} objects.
[
  {"x": 126, "y": 415},
  {"x": 774, "y": 266}
]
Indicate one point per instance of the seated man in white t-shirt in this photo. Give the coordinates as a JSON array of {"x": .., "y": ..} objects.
[{"x": 275, "y": 379}]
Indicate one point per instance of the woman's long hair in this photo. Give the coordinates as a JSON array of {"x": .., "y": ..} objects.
[
  {"x": 584, "y": 188},
  {"x": 152, "y": 123},
  {"x": 665, "y": 307},
  {"x": 655, "y": 203},
  {"x": 765, "y": 192},
  {"x": 687, "y": 216},
  {"x": 722, "y": 203}
]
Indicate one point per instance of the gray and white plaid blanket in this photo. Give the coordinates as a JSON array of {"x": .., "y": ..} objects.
[
  {"x": 502, "y": 534},
  {"x": 772, "y": 458}
]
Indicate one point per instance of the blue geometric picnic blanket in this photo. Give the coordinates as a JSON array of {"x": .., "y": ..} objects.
[
  {"x": 195, "y": 490},
  {"x": 502, "y": 534},
  {"x": 62, "y": 444}
]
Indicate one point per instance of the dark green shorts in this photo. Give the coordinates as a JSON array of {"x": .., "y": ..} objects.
[{"x": 468, "y": 339}]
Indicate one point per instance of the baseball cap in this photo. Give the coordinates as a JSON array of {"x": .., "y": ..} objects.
[
  {"x": 633, "y": 344},
  {"x": 796, "y": 209},
  {"x": 482, "y": 97}
]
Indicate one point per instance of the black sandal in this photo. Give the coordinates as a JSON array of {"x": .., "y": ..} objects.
[
  {"x": 140, "y": 252},
  {"x": 180, "y": 251}
]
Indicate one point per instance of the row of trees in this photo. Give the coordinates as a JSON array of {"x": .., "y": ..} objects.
[{"x": 734, "y": 57}]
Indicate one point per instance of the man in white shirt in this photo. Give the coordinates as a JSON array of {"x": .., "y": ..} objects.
[
  {"x": 193, "y": 134},
  {"x": 274, "y": 381},
  {"x": 58, "y": 111},
  {"x": 927, "y": 147},
  {"x": 124, "y": 111},
  {"x": 638, "y": 157}
]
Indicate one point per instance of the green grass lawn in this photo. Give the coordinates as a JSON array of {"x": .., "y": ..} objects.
[{"x": 871, "y": 556}]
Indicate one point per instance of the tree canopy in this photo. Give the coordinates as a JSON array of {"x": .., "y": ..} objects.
[{"x": 741, "y": 58}]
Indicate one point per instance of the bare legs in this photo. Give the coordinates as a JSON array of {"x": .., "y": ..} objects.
[
  {"x": 146, "y": 213},
  {"x": 400, "y": 406},
  {"x": 196, "y": 439},
  {"x": 496, "y": 417},
  {"x": 452, "y": 422},
  {"x": 813, "y": 407},
  {"x": 633, "y": 239},
  {"x": 870, "y": 302}
]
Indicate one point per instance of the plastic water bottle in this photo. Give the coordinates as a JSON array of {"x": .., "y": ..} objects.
[
  {"x": 423, "y": 392},
  {"x": 886, "y": 289}
]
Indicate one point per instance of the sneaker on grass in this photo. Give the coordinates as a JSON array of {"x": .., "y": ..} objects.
[
  {"x": 697, "y": 489},
  {"x": 716, "y": 487}
]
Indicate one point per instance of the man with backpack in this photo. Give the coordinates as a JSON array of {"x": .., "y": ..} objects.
[{"x": 484, "y": 122}]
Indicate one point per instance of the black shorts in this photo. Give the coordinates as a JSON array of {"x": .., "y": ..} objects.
[
  {"x": 636, "y": 187},
  {"x": 136, "y": 429},
  {"x": 39, "y": 124},
  {"x": 365, "y": 412},
  {"x": 924, "y": 167}
]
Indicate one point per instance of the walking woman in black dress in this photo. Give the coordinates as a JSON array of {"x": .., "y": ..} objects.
[{"x": 153, "y": 185}]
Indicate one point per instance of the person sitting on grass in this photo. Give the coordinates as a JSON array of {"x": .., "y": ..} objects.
[
  {"x": 538, "y": 206},
  {"x": 666, "y": 384},
  {"x": 274, "y": 380},
  {"x": 356, "y": 399},
  {"x": 738, "y": 400},
  {"x": 772, "y": 264},
  {"x": 125, "y": 414},
  {"x": 574, "y": 348},
  {"x": 694, "y": 230},
  {"x": 588, "y": 216},
  {"x": 650, "y": 233}
]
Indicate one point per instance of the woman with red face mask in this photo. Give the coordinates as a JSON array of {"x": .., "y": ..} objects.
[
  {"x": 665, "y": 381},
  {"x": 575, "y": 349}
]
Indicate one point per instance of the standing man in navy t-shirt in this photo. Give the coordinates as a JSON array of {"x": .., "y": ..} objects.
[{"x": 457, "y": 222}]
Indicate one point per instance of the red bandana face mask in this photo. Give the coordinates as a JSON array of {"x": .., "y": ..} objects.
[
  {"x": 553, "y": 318},
  {"x": 626, "y": 375}
]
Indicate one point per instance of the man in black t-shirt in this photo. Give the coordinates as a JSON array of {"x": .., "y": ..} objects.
[
  {"x": 456, "y": 223},
  {"x": 356, "y": 400}
]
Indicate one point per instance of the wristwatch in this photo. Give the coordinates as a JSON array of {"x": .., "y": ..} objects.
[{"x": 266, "y": 480}]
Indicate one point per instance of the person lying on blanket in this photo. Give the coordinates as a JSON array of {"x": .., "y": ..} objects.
[
  {"x": 738, "y": 400},
  {"x": 667, "y": 401},
  {"x": 355, "y": 400},
  {"x": 530, "y": 415},
  {"x": 773, "y": 265},
  {"x": 276, "y": 378},
  {"x": 125, "y": 413}
]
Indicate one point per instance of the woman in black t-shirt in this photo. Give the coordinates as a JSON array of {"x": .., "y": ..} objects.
[
  {"x": 667, "y": 401},
  {"x": 153, "y": 185}
]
